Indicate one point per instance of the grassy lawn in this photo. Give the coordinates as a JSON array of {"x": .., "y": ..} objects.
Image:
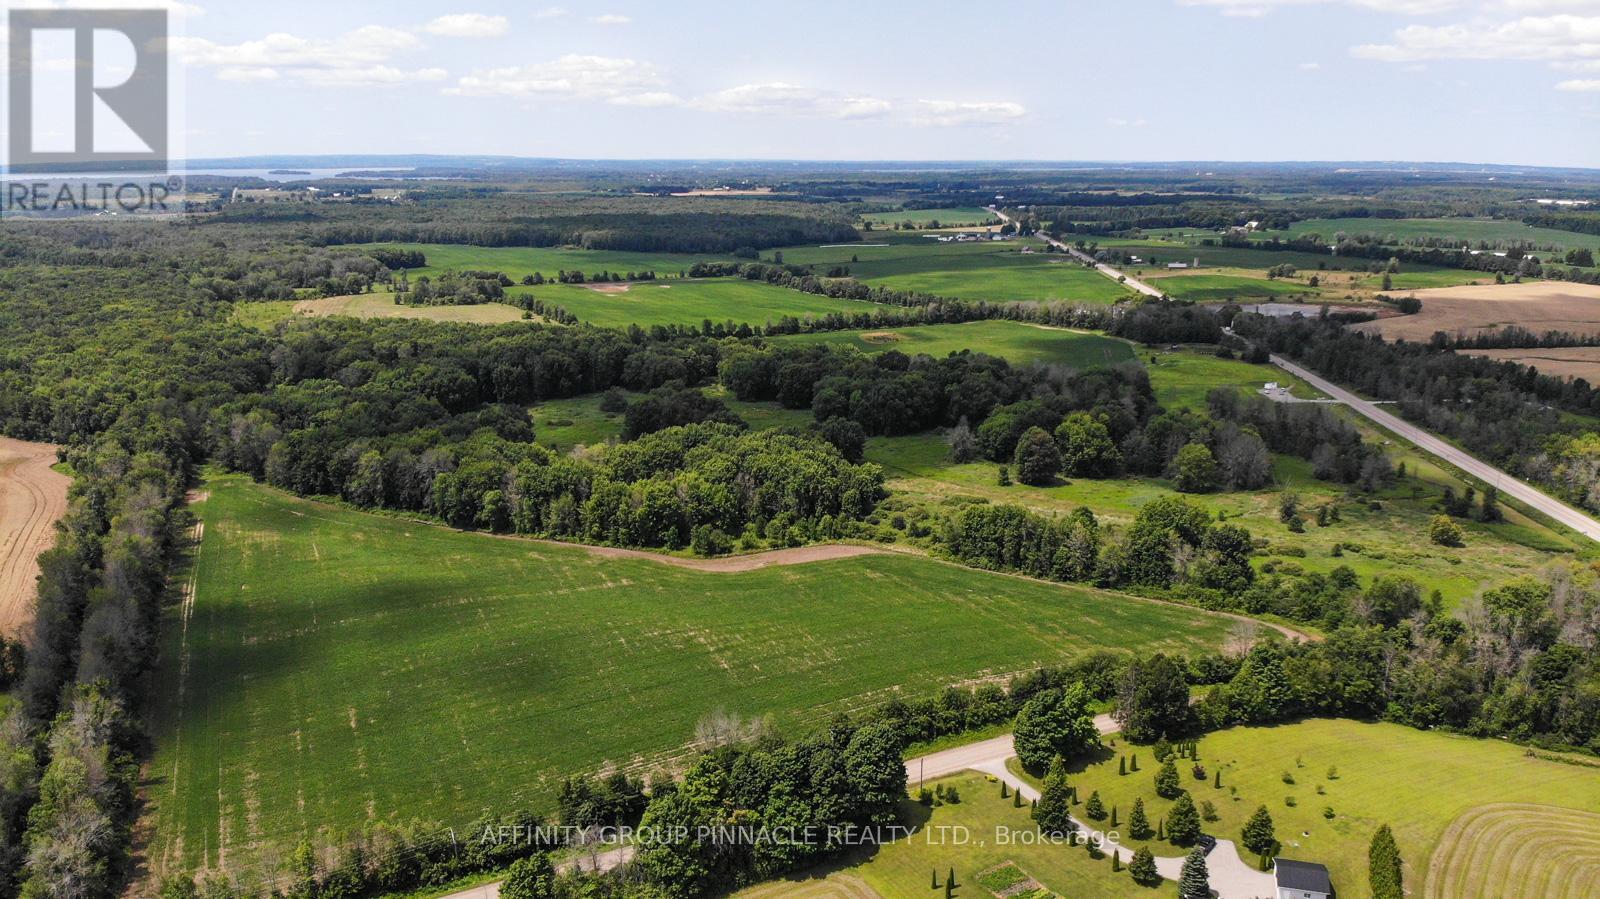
[
  {"x": 339, "y": 667},
  {"x": 1416, "y": 782},
  {"x": 1015, "y": 341},
  {"x": 985, "y": 865},
  {"x": 688, "y": 302}
]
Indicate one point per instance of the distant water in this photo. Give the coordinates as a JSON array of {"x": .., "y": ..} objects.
[{"x": 263, "y": 174}]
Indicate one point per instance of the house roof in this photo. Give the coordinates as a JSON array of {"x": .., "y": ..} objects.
[{"x": 1307, "y": 876}]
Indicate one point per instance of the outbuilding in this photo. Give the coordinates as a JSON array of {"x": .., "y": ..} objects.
[{"x": 1301, "y": 880}]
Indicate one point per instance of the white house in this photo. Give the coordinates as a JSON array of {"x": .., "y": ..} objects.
[{"x": 1301, "y": 880}]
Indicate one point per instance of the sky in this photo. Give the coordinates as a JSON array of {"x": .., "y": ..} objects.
[{"x": 1479, "y": 81}]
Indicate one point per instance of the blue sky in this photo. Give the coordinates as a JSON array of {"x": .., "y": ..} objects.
[{"x": 1502, "y": 81}]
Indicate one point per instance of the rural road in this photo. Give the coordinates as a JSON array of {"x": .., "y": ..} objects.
[
  {"x": 1231, "y": 876},
  {"x": 33, "y": 496},
  {"x": 1083, "y": 257},
  {"x": 1505, "y": 483}
]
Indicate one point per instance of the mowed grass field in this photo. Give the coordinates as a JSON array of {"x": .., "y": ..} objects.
[
  {"x": 1015, "y": 341},
  {"x": 1465, "y": 229},
  {"x": 338, "y": 667},
  {"x": 1419, "y": 783},
  {"x": 1212, "y": 287},
  {"x": 687, "y": 302},
  {"x": 947, "y": 216},
  {"x": 973, "y": 270},
  {"x": 516, "y": 262}
]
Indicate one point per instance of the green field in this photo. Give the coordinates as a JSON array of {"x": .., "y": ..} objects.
[
  {"x": 516, "y": 262},
  {"x": 1416, "y": 782},
  {"x": 339, "y": 667},
  {"x": 974, "y": 270},
  {"x": 1015, "y": 341},
  {"x": 902, "y": 869},
  {"x": 688, "y": 302},
  {"x": 1472, "y": 230},
  {"x": 1204, "y": 288},
  {"x": 946, "y": 216}
]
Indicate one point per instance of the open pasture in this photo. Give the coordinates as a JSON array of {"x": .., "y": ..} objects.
[
  {"x": 382, "y": 305},
  {"x": 679, "y": 301},
  {"x": 1015, "y": 341},
  {"x": 336, "y": 667},
  {"x": 1467, "y": 230},
  {"x": 1208, "y": 287},
  {"x": 947, "y": 217},
  {"x": 517, "y": 262},
  {"x": 971, "y": 270}
]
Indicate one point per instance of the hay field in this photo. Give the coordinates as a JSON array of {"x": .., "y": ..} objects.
[{"x": 1538, "y": 306}]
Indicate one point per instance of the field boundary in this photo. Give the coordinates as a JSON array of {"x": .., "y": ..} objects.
[{"x": 33, "y": 497}]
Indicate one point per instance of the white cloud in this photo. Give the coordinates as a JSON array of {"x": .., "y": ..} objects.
[
  {"x": 945, "y": 113},
  {"x": 648, "y": 98},
  {"x": 1545, "y": 38},
  {"x": 362, "y": 57},
  {"x": 468, "y": 24},
  {"x": 572, "y": 75},
  {"x": 779, "y": 98},
  {"x": 610, "y": 19},
  {"x": 1396, "y": 7},
  {"x": 550, "y": 12},
  {"x": 1585, "y": 85},
  {"x": 248, "y": 73}
]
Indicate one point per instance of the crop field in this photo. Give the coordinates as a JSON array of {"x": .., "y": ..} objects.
[
  {"x": 1015, "y": 341},
  {"x": 382, "y": 305},
  {"x": 686, "y": 302},
  {"x": 947, "y": 216},
  {"x": 516, "y": 262},
  {"x": 336, "y": 667},
  {"x": 1216, "y": 287},
  {"x": 1561, "y": 362},
  {"x": 1419, "y": 783},
  {"x": 975, "y": 270},
  {"x": 1538, "y": 306},
  {"x": 1470, "y": 230}
]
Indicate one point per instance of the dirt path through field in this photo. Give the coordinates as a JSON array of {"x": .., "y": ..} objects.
[{"x": 32, "y": 498}]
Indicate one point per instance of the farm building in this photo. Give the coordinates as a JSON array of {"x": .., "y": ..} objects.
[{"x": 1301, "y": 880}]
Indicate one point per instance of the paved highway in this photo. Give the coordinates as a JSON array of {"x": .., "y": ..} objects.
[
  {"x": 1083, "y": 257},
  {"x": 1483, "y": 471}
]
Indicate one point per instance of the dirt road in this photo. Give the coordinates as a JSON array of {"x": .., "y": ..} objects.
[
  {"x": 32, "y": 498},
  {"x": 1483, "y": 471}
]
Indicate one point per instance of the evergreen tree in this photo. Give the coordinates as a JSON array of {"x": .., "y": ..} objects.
[
  {"x": 1195, "y": 883},
  {"x": 1183, "y": 821},
  {"x": 1142, "y": 868},
  {"x": 1053, "y": 813},
  {"x": 1384, "y": 866},
  {"x": 1094, "y": 808},
  {"x": 1258, "y": 835},
  {"x": 1138, "y": 824},
  {"x": 1167, "y": 784}
]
